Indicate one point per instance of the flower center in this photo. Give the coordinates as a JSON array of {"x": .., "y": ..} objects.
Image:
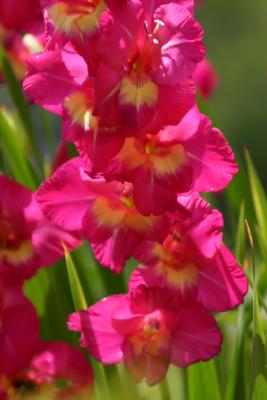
[
  {"x": 126, "y": 195},
  {"x": 153, "y": 334},
  {"x": 7, "y": 236},
  {"x": 147, "y": 351},
  {"x": 80, "y": 108},
  {"x": 151, "y": 326},
  {"x": 175, "y": 264},
  {"x": 147, "y": 55},
  {"x": 150, "y": 144},
  {"x": 13, "y": 248}
]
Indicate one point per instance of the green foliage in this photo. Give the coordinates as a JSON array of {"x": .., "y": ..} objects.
[
  {"x": 14, "y": 155},
  {"x": 203, "y": 382},
  {"x": 77, "y": 293},
  {"x": 21, "y": 105}
]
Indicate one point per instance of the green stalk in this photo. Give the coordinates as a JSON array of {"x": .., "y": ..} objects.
[
  {"x": 22, "y": 106},
  {"x": 164, "y": 390}
]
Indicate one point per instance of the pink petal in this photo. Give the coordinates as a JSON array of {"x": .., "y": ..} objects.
[
  {"x": 197, "y": 337},
  {"x": 124, "y": 320},
  {"x": 166, "y": 113},
  {"x": 52, "y": 76},
  {"x": 100, "y": 149},
  {"x": 187, "y": 127},
  {"x": 151, "y": 197},
  {"x": 48, "y": 241},
  {"x": 203, "y": 228},
  {"x": 222, "y": 283},
  {"x": 119, "y": 31},
  {"x": 206, "y": 78},
  {"x": 17, "y": 350},
  {"x": 59, "y": 360},
  {"x": 106, "y": 95},
  {"x": 64, "y": 197},
  {"x": 144, "y": 275},
  {"x": 181, "y": 44},
  {"x": 151, "y": 5},
  {"x": 97, "y": 332},
  {"x": 14, "y": 198},
  {"x": 213, "y": 161},
  {"x": 12, "y": 16},
  {"x": 114, "y": 252},
  {"x": 207, "y": 234}
]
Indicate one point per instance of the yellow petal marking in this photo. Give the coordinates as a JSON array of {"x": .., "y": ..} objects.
[
  {"x": 79, "y": 107},
  {"x": 176, "y": 275},
  {"x": 76, "y": 18},
  {"x": 138, "y": 90},
  {"x": 161, "y": 160},
  {"x": 18, "y": 255}
]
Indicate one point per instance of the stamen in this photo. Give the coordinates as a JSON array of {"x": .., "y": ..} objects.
[
  {"x": 87, "y": 118},
  {"x": 159, "y": 23},
  {"x": 148, "y": 33}
]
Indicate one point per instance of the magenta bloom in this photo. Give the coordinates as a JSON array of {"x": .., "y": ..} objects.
[
  {"x": 189, "y": 156},
  {"x": 59, "y": 361},
  {"x": 58, "y": 80},
  {"x": 193, "y": 262},
  {"x": 147, "y": 48},
  {"x": 55, "y": 371},
  {"x": 104, "y": 212},
  {"x": 27, "y": 239},
  {"x": 147, "y": 330},
  {"x": 205, "y": 78},
  {"x": 19, "y": 327},
  {"x": 53, "y": 75}
]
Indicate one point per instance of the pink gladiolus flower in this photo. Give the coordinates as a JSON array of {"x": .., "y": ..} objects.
[
  {"x": 108, "y": 131},
  {"x": 27, "y": 239},
  {"x": 81, "y": 20},
  {"x": 55, "y": 371},
  {"x": 59, "y": 361},
  {"x": 193, "y": 262},
  {"x": 177, "y": 159},
  {"x": 19, "y": 328},
  {"x": 97, "y": 136},
  {"x": 146, "y": 49},
  {"x": 147, "y": 330},
  {"x": 205, "y": 78},
  {"x": 104, "y": 212},
  {"x": 53, "y": 76},
  {"x": 98, "y": 133}
]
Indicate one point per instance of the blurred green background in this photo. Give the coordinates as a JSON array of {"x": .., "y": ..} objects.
[{"x": 236, "y": 40}]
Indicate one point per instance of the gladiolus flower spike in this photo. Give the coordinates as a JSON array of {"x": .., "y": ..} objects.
[{"x": 120, "y": 74}]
